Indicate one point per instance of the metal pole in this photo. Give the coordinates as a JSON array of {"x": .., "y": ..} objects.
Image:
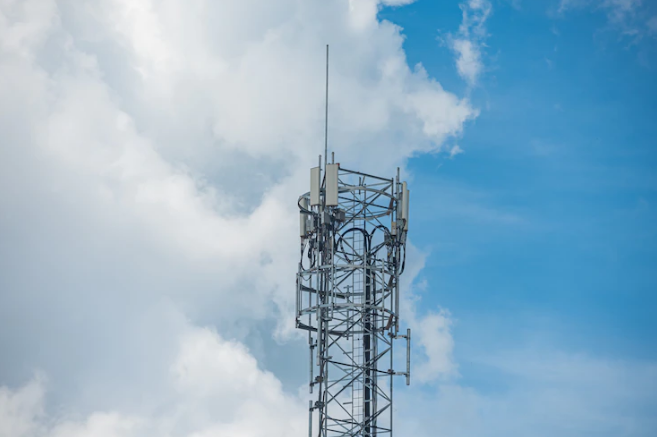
[
  {"x": 310, "y": 342},
  {"x": 392, "y": 375},
  {"x": 326, "y": 110},
  {"x": 310, "y": 418},
  {"x": 398, "y": 260},
  {"x": 408, "y": 356}
]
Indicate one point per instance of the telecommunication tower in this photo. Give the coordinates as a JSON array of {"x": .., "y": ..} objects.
[{"x": 353, "y": 229}]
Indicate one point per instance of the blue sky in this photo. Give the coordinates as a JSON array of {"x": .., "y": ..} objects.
[
  {"x": 546, "y": 223},
  {"x": 543, "y": 233},
  {"x": 151, "y": 155}
]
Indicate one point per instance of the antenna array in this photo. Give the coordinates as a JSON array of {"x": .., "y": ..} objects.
[{"x": 353, "y": 229}]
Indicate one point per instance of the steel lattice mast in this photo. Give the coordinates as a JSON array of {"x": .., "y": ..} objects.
[{"x": 353, "y": 229}]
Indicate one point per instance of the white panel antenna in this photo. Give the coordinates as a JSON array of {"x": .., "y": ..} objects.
[
  {"x": 315, "y": 174},
  {"x": 332, "y": 184}
]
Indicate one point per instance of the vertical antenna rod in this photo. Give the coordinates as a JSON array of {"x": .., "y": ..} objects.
[{"x": 326, "y": 111}]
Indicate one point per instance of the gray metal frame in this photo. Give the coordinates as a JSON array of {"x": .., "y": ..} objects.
[{"x": 347, "y": 299}]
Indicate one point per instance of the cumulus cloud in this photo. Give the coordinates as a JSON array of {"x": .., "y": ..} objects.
[
  {"x": 539, "y": 393},
  {"x": 21, "y": 410},
  {"x": 431, "y": 329},
  {"x": 138, "y": 116},
  {"x": 214, "y": 387},
  {"x": 435, "y": 338},
  {"x": 152, "y": 153},
  {"x": 469, "y": 42}
]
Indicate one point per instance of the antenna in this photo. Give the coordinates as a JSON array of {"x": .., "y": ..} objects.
[
  {"x": 347, "y": 295},
  {"x": 326, "y": 111},
  {"x": 347, "y": 299}
]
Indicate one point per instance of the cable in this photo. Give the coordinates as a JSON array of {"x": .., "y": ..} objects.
[{"x": 338, "y": 243}]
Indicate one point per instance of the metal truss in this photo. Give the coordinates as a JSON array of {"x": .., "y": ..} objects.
[{"x": 353, "y": 238}]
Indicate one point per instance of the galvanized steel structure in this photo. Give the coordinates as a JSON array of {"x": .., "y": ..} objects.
[{"x": 353, "y": 229}]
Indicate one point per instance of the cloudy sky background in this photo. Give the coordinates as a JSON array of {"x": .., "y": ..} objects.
[{"x": 152, "y": 154}]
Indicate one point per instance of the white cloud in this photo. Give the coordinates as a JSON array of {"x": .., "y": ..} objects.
[
  {"x": 629, "y": 17},
  {"x": 22, "y": 409},
  {"x": 469, "y": 42},
  {"x": 455, "y": 150},
  {"x": 435, "y": 338},
  {"x": 142, "y": 118},
  {"x": 214, "y": 388},
  {"x": 152, "y": 154},
  {"x": 617, "y": 10},
  {"x": 397, "y": 2},
  {"x": 431, "y": 330},
  {"x": 538, "y": 393}
]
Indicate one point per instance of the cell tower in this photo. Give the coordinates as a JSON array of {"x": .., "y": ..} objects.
[{"x": 353, "y": 229}]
